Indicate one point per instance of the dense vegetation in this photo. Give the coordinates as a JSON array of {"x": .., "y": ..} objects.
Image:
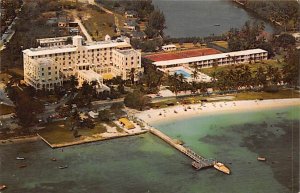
[
  {"x": 285, "y": 13},
  {"x": 248, "y": 37},
  {"x": 30, "y": 26}
]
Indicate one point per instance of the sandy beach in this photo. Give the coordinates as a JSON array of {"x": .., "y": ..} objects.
[{"x": 208, "y": 108}]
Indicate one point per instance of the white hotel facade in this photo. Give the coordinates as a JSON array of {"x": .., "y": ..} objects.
[
  {"x": 238, "y": 57},
  {"x": 46, "y": 67}
]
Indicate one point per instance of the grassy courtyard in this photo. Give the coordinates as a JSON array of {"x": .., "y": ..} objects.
[
  {"x": 222, "y": 44},
  {"x": 59, "y": 132},
  {"x": 98, "y": 23},
  {"x": 253, "y": 67}
]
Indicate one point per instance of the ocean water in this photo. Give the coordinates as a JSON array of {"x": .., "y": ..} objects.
[
  {"x": 146, "y": 164},
  {"x": 201, "y": 18}
]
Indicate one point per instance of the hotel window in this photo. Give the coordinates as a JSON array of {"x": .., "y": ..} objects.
[
  {"x": 42, "y": 74},
  {"x": 49, "y": 68},
  {"x": 42, "y": 69},
  {"x": 49, "y": 73}
]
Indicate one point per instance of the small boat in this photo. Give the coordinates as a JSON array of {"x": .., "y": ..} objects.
[
  {"x": 23, "y": 166},
  {"x": 261, "y": 159},
  {"x": 221, "y": 167},
  {"x": 20, "y": 158},
  {"x": 53, "y": 159},
  {"x": 63, "y": 167},
  {"x": 217, "y": 25},
  {"x": 2, "y": 186}
]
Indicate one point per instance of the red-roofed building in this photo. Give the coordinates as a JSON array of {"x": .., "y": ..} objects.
[{"x": 181, "y": 54}]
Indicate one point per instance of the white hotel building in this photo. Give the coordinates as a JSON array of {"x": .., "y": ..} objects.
[
  {"x": 45, "y": 67},
  {"x": 206, "y": 61}
]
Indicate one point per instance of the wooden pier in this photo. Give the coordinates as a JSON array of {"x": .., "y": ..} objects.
[{"x": 199, "y": 162}]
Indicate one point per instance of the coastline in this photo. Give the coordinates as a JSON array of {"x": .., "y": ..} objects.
[
  {"x": 188, "y": 111},
  {"x": 21, "y": 139},
  {"x": 274, "y": 23}
]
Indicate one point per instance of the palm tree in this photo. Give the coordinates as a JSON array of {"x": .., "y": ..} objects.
[
  {"x": 73, "y": 82},
  {"x": 195, "y": 72},
  {"x": 132, "y": 73},
  {"x": 120, "y": 83},
  {"x": 174, "y": 83},
  {"x": 260, "y": 77}
]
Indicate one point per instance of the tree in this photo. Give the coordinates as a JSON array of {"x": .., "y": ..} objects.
[
  {"x": 136, "y": 100},
  {"x": 156, "y": 24},
  {"x": 152, "y": 78},
  {"x": 195, "y": 72},
  {"x": 291, "y": 69},
  {"x": 174, "y": 83},
  {"x": 27, "y": 109},
  {"x": 132, "y": 73},
  {"x": 86, "y": 88},
  {"x": 260, "y": 77},
  {"x": 104, "y": 115},
  {"x": 73, "y": 82},
  {"x": 285, "y": 40}
]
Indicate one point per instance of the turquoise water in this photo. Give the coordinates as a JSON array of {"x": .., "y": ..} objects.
[
  {"x": 184, "y": 73},
  {"x": 147, "y": 164}
]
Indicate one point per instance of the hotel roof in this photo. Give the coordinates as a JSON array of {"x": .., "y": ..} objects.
[
  {"x": 181, "y": 54},
  {"x": 71, "y": 48},
  {"x": 126, "y": 52},
  {"x": 89, "y": 74},
  {"x": 50, "y": 40},
  {"x": 208, "y": 57}
]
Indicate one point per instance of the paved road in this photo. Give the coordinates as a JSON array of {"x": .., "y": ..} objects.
[{"x": 83, "y": 29}]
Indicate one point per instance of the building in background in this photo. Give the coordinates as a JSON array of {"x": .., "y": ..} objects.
[
  {"x": 96, "y": 56},
  {"x": 206, "y": 61}
]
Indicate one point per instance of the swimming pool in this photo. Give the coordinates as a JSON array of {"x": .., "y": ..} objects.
[{"x": 184, "y": 73}]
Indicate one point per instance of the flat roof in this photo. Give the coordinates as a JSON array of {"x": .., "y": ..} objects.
[
  {"x": 72, "y": 48},
  {"x": 208, "y": 57},
  {"x": 181, "y": 54},
  {"x": 126, "y": 123},
  {"x": 57, "y": 39},
  {"x": 126, "y": 52},
  {"x": 169, "y": 46},
  {"x": 90, "y": 74}
]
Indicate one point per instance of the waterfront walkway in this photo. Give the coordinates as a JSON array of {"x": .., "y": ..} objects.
[{"x": 199, "y": 161}]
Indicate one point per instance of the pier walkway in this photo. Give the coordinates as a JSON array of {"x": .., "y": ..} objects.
[{"x": 199, "y": 162}]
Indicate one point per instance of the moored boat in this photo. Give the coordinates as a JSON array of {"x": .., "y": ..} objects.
[
  {"x": 23, "y": 166},
  {"x": 261, "y": 159},
  {"x": 2, "y": 186},
  {"x": 20, "y": 158},
  {"x": 63, "y": 167},
  {"x": 221, "y": 167}
]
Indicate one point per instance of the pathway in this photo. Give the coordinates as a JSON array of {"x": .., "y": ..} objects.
[{"x": 83, "y": 29}]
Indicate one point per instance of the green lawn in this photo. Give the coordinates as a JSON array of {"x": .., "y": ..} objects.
[
  {"x": 266, "y": 95},
  {"x": 281, "y": 94},
  {"x": 222, "y": 44},
  {"x": 253, "y": 67},
  {"x": 59, "y": 132},
  {"x": 5, "y": 109},
  {"x": 99, "y": 21}
]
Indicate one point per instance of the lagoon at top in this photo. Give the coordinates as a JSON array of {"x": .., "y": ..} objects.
[{"x": 198, "y": 18}]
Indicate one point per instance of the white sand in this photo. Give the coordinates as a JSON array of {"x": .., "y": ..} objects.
[{"x": 183, "y": 111}]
